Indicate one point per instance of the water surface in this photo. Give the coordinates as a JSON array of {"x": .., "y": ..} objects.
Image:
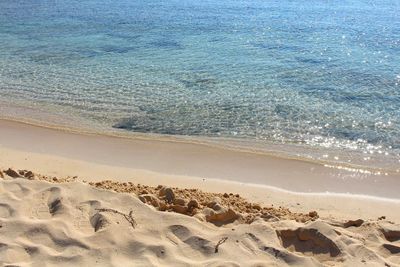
[{"x": 320, "y": 75}]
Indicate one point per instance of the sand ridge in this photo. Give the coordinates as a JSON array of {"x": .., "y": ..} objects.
[
  {"x": 185, "y": 201},
  {"x": 48, "y": 221}
]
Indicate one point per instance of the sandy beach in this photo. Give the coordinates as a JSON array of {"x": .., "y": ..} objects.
[
  {"x": 66, "y": 199},
  {"x": 199, "y": 133}
]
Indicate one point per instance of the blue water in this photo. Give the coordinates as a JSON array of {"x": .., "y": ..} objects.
[{"x": 319, "y": 73}]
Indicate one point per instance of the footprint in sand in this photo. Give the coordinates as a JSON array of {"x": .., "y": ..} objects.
[
  {"x": 87, "y": 219},
  {"x": 39, "y": 207},
  {"x": 82, "y": 219},
  {"x": 196, "y": 243},
  {"x": 6, "y": 210},
  {"x": 48, "y": 203},
  {"x": 255, "y": 245}
]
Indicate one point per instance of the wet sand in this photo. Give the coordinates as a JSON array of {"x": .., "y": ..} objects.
[
  {"x": 197, "y": 160},
  {"x": 258, "y": 177}
]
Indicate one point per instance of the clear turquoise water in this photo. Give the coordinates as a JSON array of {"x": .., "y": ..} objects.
[{"x": 317, "y": 73}]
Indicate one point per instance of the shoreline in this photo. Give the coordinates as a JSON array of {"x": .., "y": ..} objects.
[
  {"x": 197, "y": 160},
  {"x": 96, "y": 158},
  {"x": 224, "y": 143},
  {"x": 330, "y": 157},
  {"x": 68, "y": 199}
]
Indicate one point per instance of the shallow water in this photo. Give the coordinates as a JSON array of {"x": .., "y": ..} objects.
[{"x": 318, "y": 74}]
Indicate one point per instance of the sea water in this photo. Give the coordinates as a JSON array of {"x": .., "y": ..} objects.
[{"x": 323, "y": 75}]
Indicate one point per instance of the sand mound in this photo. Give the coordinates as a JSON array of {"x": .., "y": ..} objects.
[{"x": 72, "y": 223}]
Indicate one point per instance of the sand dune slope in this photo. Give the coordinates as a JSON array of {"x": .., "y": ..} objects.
[{"x": 46, "y": 224}]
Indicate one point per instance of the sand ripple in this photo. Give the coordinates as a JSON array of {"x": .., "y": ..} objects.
[{"x": 72, "y": 223}]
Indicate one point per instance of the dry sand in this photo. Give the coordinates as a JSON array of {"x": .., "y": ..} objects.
[
  {"x": 68, "y": 223},
  {"x": 71, "y": 206}
]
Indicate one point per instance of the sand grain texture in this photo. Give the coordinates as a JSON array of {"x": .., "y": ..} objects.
[{"x": 73, "y": 223}]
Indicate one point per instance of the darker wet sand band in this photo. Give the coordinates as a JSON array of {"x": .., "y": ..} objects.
[{"x": 197, "y": 160}]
